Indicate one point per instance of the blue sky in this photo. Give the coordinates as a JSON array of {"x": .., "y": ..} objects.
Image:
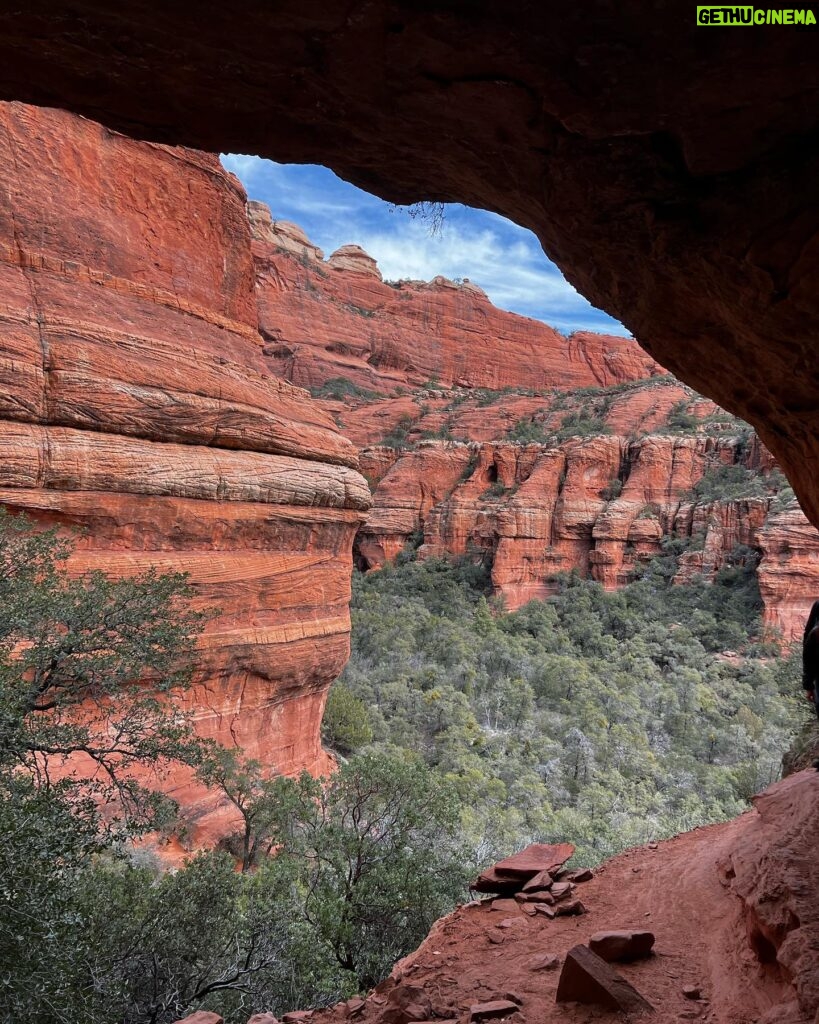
[{"x": 504, "y": 259}]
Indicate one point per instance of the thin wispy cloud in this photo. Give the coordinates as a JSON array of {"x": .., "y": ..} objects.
[{"x": 504, "y": 259}]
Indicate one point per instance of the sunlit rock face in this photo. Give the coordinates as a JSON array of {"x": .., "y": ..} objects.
[{"x": 138, "y": 405}]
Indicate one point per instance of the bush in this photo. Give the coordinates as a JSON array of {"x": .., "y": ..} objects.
[
  {"x": 340, "y": 388},
  {"x": 346, "y": 724}
]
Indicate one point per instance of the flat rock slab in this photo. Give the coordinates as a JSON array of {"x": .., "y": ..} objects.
[
  {"x": 587, "y": 978},
  {"x": 544, "y": 962},
  {"x": 297, "y": 1016},
  {"x": 512, "y": 873},
  {"x": 490, "y": 1011},
  {"x": 622, "y": 946},
  {"x": 580, "y": 875}
]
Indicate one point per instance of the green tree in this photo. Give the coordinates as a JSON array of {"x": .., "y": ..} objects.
[
  {"x": 88, "y": 668},
  {"x": 375, "y": 846},
  {"x": 346, "y": 724}
]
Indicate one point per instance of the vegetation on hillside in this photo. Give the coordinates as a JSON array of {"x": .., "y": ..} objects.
[
  {"x": 93, "y": 929},
  {"x": 606, "y": 719}
]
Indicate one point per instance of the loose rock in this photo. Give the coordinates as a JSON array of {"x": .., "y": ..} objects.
[
  {"x": 511, "y": 874},
  {"x": 263, "y": 1018},
  {"x": 622, "y": 946},
  {"x": 587, "y": 978},
  {"x": 568, "y": 908},
  {"x": 580, "y": 875},
  {"x": 406, "y": 1003},
  {"x": 490, "y": 1011},
  {"x": 544, "y": 962},
  {"x": 691, "y": 991}
]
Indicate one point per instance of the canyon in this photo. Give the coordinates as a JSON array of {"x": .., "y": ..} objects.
[
  {"x": 672, "y": 177},
  {"x": 156, "y": 335},
  {"x": 458, "y": 389}
]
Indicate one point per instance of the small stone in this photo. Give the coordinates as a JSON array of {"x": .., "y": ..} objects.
[
  {"x": 514, "y": 997},
  {"x": 561, "y": 889},
  {"x": 544, "y": 909},
  {"x": 263, "y": 1018},
  {"x": 544, "y": 962},
  {"x": 201, "y": 1017},
  {"x": 507, "y": 922},
  {"x": 406, "y": 1003},
  {"x": 691, "y": 991},
  {"x": 622, "y": 946},
  {"x": 496, "y": 938},
  {"x": 529, "y": 909},
  {"x": 355, "y": 1006},
  {"x": 490, "y": 1011},
  {"x": 652, "y": 846},
  {"x": 580, "y": 875},
  {"x": 534, "y": 897},
  {"x": 570, "y": 907},
  {"x": 542, "y": 880}
]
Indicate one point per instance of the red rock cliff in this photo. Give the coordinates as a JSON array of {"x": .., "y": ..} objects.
[
  {"x": 136, "y": 401},
  {"x": 325, "y": 319}
]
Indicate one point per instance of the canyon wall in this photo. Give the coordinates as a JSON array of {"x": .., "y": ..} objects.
[
  {"x": 464, "y": 415},
  {"x": 136, "y": 402},
  {"x": 325, "y": 319}
]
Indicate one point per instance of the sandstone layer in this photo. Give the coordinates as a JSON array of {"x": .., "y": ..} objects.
[
  {"x": 600, "y": 505},
  {"x": 136, "y": 402}
]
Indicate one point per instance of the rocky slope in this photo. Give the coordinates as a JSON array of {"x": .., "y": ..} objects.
[
  {"x": 732, "y": 908},
  {"x": 489, "y": 435},
  {"x": 136, "y": 403}
]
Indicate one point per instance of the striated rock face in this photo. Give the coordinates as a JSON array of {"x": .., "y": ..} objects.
[
  {"x": 789, "y": 570},
  {"x": 136, "y": 402},
  {"x": 339, "y": 319},
  {"x": 599, "y": 505},
  {"x": 733, "y": 919}
]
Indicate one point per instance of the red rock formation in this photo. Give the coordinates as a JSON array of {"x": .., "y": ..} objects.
[
  {"x": 136, "y": 401},
  {"x": 339, "y": 319},
  {"x": 532, "y": 514},
  {"x": 732, "y": 907},
  {"x": 600, "y": 505},
  {"x": 789, "y": 570}
]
